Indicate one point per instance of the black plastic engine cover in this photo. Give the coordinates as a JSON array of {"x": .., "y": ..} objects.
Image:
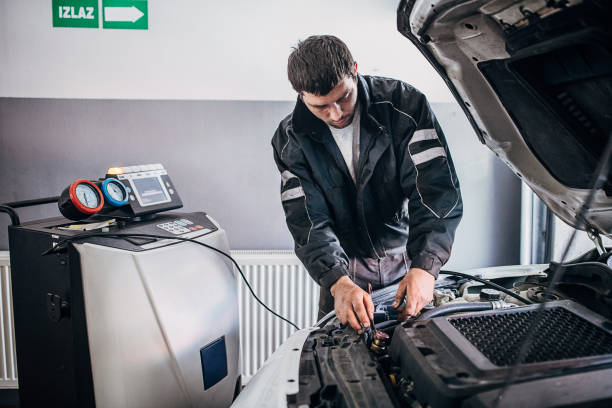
[
  {"x": 450, "y": 359},
  {"x": 338, "y": 370}
]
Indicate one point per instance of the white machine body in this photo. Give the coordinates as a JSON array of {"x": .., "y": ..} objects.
[{"x": 149, "y": 314}]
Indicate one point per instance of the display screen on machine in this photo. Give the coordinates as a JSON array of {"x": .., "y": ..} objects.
[{"x": 150, "y": 191}]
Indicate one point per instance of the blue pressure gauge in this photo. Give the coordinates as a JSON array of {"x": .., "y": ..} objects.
[{"x": 115, "y": 192}]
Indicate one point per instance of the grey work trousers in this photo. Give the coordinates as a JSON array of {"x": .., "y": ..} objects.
[{"x": 379, "y": 272}]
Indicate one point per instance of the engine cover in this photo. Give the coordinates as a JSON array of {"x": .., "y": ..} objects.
[{"x": 451, "y": 359}]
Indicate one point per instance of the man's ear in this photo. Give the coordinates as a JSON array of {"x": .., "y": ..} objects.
[{"x": 355, "y": 70}]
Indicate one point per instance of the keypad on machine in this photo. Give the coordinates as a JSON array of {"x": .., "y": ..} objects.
[{"x": 181, "y": 226}]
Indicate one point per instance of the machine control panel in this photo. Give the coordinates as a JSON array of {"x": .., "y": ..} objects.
[
  {"x": 151, "y": 188},
  {"x": 164, "y": 227},
  {"x": 182, "y": 226}
]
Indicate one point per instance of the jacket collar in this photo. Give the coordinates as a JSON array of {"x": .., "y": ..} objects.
[
  {"x": 305, "y": 122},
  {"x": 374, "y": 139}
]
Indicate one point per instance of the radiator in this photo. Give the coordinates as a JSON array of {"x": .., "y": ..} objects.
[
  {"x": 277, "y": 277},
  {"x": 281, "y": 281},
  {"x": 8, "y": 359}
]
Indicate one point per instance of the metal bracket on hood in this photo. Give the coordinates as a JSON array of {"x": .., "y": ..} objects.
[{"x": 596, "y": 238}]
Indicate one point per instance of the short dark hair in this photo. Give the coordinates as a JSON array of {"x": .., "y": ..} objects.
[{"x": 319, "y": 63}]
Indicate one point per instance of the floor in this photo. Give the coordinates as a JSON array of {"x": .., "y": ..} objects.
[{"x": 9, "y": 398}]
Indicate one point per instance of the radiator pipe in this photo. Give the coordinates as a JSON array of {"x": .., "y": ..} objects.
[{"x": 456, "y": 308}]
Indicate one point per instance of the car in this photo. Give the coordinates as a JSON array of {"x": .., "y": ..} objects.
[{"x": 534, "y": 77}]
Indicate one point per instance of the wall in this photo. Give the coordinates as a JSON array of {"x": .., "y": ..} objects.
[
  {"x": 202, "y": 91},
  {"x": 218, "y": 154},
  {"x": 580, "y": 244},
  {"x": 196, "y": 49}
]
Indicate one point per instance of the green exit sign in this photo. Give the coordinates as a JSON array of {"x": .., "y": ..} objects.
[
  {"x": 122, "y": 14},
  {"x": 75, "y": 13}
]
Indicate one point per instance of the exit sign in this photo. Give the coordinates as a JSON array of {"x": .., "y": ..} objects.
[
  {"x": 75, "y": 13},
  {"x": 122, "y": 14},
  {"x": 130, "y": 14}
]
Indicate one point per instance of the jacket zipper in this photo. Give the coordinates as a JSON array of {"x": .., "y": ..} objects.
[{"x": 360, "y": 188}]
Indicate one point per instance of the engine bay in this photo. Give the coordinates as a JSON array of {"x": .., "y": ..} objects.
[{"x": 463, "y": 349}]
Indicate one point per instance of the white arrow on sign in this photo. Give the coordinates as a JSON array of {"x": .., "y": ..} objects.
[{"x": 122, "y": 14}]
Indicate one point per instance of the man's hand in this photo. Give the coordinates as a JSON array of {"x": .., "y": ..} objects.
[
  {"x": 352, "y": 304},
  {"x": 417, "y": 287}
]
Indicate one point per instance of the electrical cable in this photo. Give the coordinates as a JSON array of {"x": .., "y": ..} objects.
[
  {"x": 63, "y": 242},
  {"x": 489, "y": 284},
  {"x": 601, "y": 176}
]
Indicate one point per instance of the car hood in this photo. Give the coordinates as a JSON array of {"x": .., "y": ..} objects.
[{"x": 534, "y": 78}]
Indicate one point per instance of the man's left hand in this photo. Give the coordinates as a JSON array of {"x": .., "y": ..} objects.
[{"x": 417, "y": 288}]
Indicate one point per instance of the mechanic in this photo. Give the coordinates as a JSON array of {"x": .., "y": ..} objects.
[{"x": 368, "y": 186}]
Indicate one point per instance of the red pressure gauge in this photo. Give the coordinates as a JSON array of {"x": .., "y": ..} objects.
[{"x": 80, "y": 200}]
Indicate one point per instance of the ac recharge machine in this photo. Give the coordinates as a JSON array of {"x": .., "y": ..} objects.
[{"x": 112, "y": 317}]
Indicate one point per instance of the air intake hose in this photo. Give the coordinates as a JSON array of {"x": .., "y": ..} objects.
[{"x": 456, "y": 308}]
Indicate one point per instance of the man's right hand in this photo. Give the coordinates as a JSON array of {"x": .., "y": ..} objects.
[{"x": 352, "y": 304}]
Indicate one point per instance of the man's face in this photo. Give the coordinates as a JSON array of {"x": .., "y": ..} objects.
[{"x": 338, "y": 106}]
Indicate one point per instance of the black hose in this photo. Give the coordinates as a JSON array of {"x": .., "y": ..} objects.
[
  {"x": 387, "y": 324},
  {"x": 456, "y": 308},
  {"x": 490, "y": 284},
  {"x": 12, "y": 213},
  {"x": 31, "y": 203},
  {"x": 8, "y": 208}
]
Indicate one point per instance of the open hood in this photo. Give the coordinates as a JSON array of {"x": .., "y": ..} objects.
[{"x": 534, "y": 78}]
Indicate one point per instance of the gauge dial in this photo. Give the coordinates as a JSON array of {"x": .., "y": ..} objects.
[
  {"x": 80, "y": 200},
  {"x": 86, "y": 194},
  {"x": 115, "y": 192}
]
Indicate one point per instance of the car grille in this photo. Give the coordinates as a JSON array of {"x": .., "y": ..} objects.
[{"x": 560, "y": 334}]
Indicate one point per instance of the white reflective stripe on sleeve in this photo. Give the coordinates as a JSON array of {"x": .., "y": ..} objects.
[
  {"x": 292, "y": 193},
  {"x": 428, "y": 155},
  {"x": 423, "y": 134},
  {"x": 286, "y": 175}
]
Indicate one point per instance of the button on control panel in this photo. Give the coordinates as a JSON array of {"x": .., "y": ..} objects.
[{"x": 181, "y": 226}]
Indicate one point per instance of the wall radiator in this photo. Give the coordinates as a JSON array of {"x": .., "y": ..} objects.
[
  {"x": 277, "y": 277},
  {"x": 280, "y": 280}
]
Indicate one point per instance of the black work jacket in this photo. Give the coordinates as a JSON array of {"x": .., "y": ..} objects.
[{"x": 406, "y": 196}]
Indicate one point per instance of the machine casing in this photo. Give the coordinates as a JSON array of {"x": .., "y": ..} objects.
[{"x": 125, "y": 322}]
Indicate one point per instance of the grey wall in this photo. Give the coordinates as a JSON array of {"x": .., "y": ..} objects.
[{"x": 219, "y": 156}]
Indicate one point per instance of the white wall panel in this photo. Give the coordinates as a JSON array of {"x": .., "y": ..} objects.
[
  {"x": 579, "y": 246},
  {"x": 198, "y": 49}
]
